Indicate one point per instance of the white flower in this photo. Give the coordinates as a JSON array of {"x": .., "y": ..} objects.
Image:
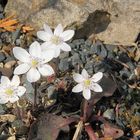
[
  {"x": 34, "y": 62},
  {"x": 10, "y": 90},
  {"x": 86, "y": 84},
  {"x": 55, "y": 40}
]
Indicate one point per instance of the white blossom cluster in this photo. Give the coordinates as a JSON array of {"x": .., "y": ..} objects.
[{"x": 34, "y": 63}]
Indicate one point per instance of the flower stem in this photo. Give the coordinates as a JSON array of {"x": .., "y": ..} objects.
[{"x": 35, "y": 95}]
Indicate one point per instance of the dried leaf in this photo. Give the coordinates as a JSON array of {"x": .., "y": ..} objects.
[
  {"x": 7, "y": 117},
  {"x": 26, "y": 29},
  {"x": 8, "y": 23},
  {"x": 49, "y": 126},
  {"x": 91, "y": 133},
  {"x": 110, "y": 130},
  {"x": 137, "y": 133}
]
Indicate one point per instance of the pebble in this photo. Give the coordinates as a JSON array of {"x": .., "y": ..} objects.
[
  {"x": 10, "y": 64},
  {"x": 1, "y": 44},
  {"x": 15, "y": 35},
  {"x": 2, "y": 56},
  {"x": 89, "y": 67},
  {"x": 50, "y": 91},
  {"x": 1, "y": 16},
  {"x": 64, "y": 55},
  {"x": 6, "y": 37},
  {"x": 1, "y": 8},
  {"x": 64, "y": 65},
  {"x": 109, "y": 113},
  {"x": 76, "y": 59}
]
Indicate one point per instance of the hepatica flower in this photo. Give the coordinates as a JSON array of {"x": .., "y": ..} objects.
[
  {"x": 33, "y": 63},
  {"x": 10, "y": 90},
  {"x": 55, "y": 40},
  {"x": 87, "y": 83}
]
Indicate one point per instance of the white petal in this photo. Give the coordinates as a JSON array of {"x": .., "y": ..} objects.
[
  {"x": 87, "y": 93},
  {"x": 57, "y": 52},
  {"x": 65, "y": 47},
  {"x": 33, "y": 75},
  {"x": 77, "y": 88},
  {"x": 85, "y": 74},
  {"x": 22, "y": 68},
  {"x": 46, "y": 70},
  {"x": 47, "y": 45},
  {"x": 67, "y": 35},
  {"x": 78, "y": 77},
  {"x": 5, "y": 80},
  {"x": 35, "y": 49},
  {"x": 21, "y": 90},
  {"x": 48, "y": 29},
  {"x": 48, "y": 55},
  {"x": 15, "y": 80},
  {"x": 21, "y": 54},
  {"x": 96, "y": 87},
  {"x": 13, "y": 99},
  {"x": 43, "y": 35},
  {"x": 3, "y": 100},
  {"x": 97, "y": 76},
  {"x": 58, "y": 30}
]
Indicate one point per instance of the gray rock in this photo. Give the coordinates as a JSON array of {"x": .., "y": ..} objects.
[
  {"x": 64, "y": 64},
  {"x": 2, "y": 56},
  {"x": 18, "y": 42},
  {"x": 109, "y": 113},
  {"x": 50, "y": 91},
  {"x": 0, "y": 43},
  {"x": 108, "y": 19},
  {"x": 64, "y": 55},
  {"x": 1, "y": 8},
  {"x": 89, "y": 67},
  {"x": 1, "y": 109},
  {"x": 76, "y": 59},
  {"x": 1, "y": 16}
]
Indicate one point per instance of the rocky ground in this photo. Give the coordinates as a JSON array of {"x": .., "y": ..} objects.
[{"x": 122, "y": 109}]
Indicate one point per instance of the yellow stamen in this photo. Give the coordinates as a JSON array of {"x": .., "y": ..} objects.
[
  {"x": 55, "y": 39},
  {"x": 9, "y": 91},
  {"x": 87, "y": 82},
  {"x": 34, "y": 63}
]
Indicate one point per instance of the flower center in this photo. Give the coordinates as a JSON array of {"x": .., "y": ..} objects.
[
  {"x": 9, "y": 91},
  {"x": 34, "y": 63},
  {"x": 55, "y": 39},
  {"x": 87, "y": 83}
]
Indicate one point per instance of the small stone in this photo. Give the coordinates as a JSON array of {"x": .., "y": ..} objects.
[
  {"x": 6, "y": 37},
  {"x": 89, "y": 67},
  {"x": 103, "y": 51},
  {"x": 64, "y": 55},
  {"x": 18, "y": 42},
  {"x": 88, "y": 43},
  {"x": 50, "y": 91},
  {"x": 109, "y": 113},
  {"x": 10, "y": 64},
  {"x": 1, "y": 110},
  {"x": 15, "y": 35},
  {"x": 2, "y": 56},
  {"x": 1, "y": 8},
  {"x": 76, "y": 59},
  {"x": 93, "y": 49},
  {"x": 64, "y": 64},
  {"x": 124, "y": 58},
  {"x": 1, "y": 16},
  {"x": 1, "y": 43}
]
